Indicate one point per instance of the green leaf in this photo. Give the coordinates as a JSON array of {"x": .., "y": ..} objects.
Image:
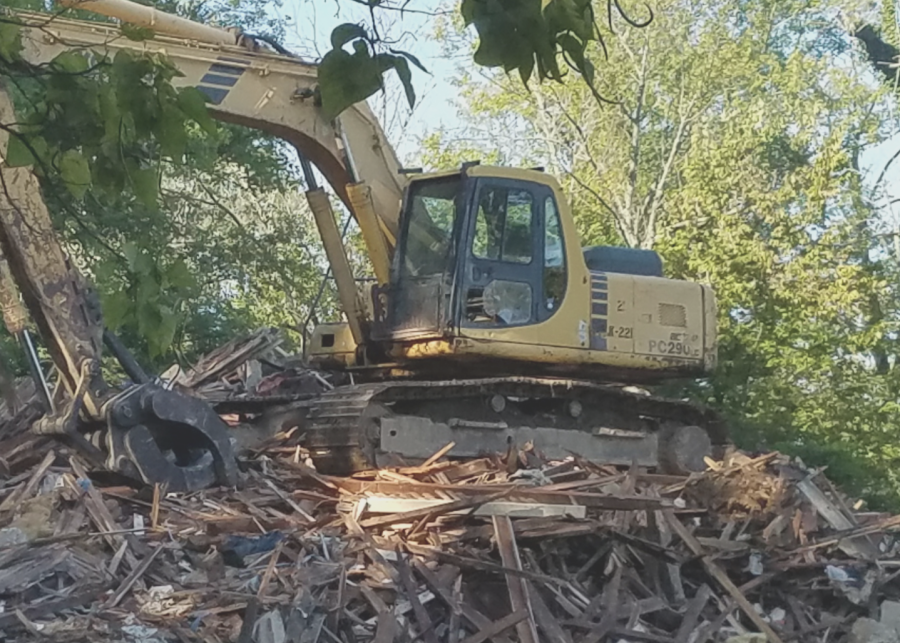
[
  {"x": 192, "y": 102},
  {"x": 131, "y": 252},
  {"x": 179, "y": 275},
  {"x": 139, "y": 263},
  {"x": 588, "y": 71},
  {"x": 146, "y": 186},
  {"x": 402, "y": 69},
  {"x": 415, "y": 61},
  {"x": 344, "y": 33},
  {"x": 10, "y": 41},
  {"x": 574, "y": 48},
  {"x": 124, "y": 67},
  {"x": 137, "y": 33},
  {"x": 346, "y": 79},
  {"x": 148, "y": 290},
  {"x": 71, "y": 62},
  {"x": 116, "y": 309},
  {"x": 526, "y": 70},
  {"x": 105, "y": 270},
  {"x": 173, "y": 138},
  {"x": 18, "y": 151},
  {"x": 75, "y": 172},
  {"x": 147, "y": 315},
  {"x": 164, "y": 333}
]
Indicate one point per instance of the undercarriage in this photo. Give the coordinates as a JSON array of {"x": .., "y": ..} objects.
[{"x": 356, "y": 427}]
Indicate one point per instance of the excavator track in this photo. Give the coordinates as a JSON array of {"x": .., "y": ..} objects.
[{"x": 356, "y": 427}]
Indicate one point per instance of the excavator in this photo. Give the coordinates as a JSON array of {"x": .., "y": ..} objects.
[{"x": 488, "y": 325}]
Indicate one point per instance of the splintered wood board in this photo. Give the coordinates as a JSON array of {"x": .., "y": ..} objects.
[{"x": 388, "y": 505}]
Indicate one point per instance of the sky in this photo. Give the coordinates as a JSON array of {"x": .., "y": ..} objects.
[{"x": 312, "y": 23}]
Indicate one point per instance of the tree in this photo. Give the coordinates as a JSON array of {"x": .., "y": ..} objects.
[
  {"x": 159, "y": 205},
  {"x": 733, "y": 150}
]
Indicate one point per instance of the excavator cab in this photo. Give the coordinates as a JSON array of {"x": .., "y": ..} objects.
[
  {"x": 488, "y": 270},
  {"x": 474, "y": 252},
  {"x": 492, "y": 301}
]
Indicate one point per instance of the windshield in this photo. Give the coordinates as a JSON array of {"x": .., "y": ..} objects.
[{"x": 430, "y": 219}]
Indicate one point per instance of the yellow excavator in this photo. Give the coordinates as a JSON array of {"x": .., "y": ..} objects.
[{"x": 488, "y": 326}]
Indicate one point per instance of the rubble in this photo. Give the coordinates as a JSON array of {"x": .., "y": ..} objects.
[
  {"x": 247, "y": 373},
  {"x": 506, "y": 547}
]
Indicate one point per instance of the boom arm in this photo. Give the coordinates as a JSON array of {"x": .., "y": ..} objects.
[
  {"x": 151, "y": 433},
  {"x": 270, "y": 92}
]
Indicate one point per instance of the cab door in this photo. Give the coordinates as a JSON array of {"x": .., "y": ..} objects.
[{"x": 503, "y": 262}]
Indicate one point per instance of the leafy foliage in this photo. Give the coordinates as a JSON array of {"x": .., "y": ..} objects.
[
  {"x": 346, "y": 79},
  {"x": 149, "y": 297},
  {"x": 153, "y": 198},
  {"x": 103, "y": 124},
  {"x": 530, "y": 37}
]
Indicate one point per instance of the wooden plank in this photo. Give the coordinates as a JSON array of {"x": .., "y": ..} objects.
[
  {"x": 497, "y": 627},
  {"x": 288, "y": 500},
  {"x": 412, "y": 591},
  {"x": 391, "y": 505},
  {"x": 421, "y": 512},
  {"x": 440, "y": 453},
  {"x": 710, "y": 629},
  {"x": 637, "y": 635},
  {"x": 53, "y": 607},
  {"x": 23, "y": 492},
  {"x": 132, "y": 578},
  {"x": 101, "y": 516},
  {"x": 713, "y": 569},
  {"x": 553, "y": 631},
  {"x": 154, "y": 511},
  {"x": 859, "y": 547},
  {"x": 691, "y": 614},
  {"x": 516, "y": 492},
  {"x": 518, "y": 591},
  {"x": 246, "y": 633},
  {"x": 455, "y": 624},
  {"x": 889, "y": 523},
  {"x": 474, "y": 563},
  {"x": 610, "y": 609},
  {"x": 387, "y": 628},
  {"x": 371, "y": 550}
]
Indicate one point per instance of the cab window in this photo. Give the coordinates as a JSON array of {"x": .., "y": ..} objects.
[
  {"x": 503, "y": 227},
  {"x": 554, "y": 259}
]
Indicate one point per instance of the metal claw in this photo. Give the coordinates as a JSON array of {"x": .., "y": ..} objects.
[{"x": 163, "y": 436}]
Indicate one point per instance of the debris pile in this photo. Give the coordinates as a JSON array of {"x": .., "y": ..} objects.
[
  {"x": 457, "y": 551},
  {"x": 248, "y": 373},
  {"x": 506, "y": 548}
]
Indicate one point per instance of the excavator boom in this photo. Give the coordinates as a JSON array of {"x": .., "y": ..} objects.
[
  {"x": 149, "y": 432},
  {"x": 266, "y": 91}
]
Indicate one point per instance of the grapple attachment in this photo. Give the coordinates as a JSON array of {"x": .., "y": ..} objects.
[
  {"x": 161, "y": 436},
  {"x": 153, "y": 435}
]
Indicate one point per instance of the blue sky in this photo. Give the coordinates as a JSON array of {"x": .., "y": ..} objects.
[{"x": 312, "y": 23}]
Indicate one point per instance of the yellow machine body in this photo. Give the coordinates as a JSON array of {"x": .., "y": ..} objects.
[{"x": 567, "y": 319}]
